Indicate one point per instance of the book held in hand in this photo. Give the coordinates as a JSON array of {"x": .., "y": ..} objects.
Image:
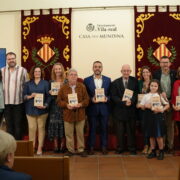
[
  {"x": 72, "y": 99},
  {"x": 156, "y": 102},
  {"x": 140, "y": 97},
  {"x": 100, "y": 95},
  {"x": 55, "y": 86},
  {"x": 127, "y": 95},
  {"x": 38, "y": 99},
  {"x": 178, "y": 101}
]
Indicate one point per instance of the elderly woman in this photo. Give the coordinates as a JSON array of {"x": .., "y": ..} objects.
[{"x": 7, "y": 149}]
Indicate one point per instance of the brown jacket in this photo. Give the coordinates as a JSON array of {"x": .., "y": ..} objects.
[{"x": 83, "y": 98}]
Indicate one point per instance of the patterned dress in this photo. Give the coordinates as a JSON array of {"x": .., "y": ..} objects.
[{"x": 56, "y": 123}]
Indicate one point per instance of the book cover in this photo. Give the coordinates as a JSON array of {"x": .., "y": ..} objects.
[
  {"x": 39, "y": 99},
  {"x": 140, "y": 97},
  {"x": 178, "y": 101},
  {"x": 156, "y": 103},
  {"x": 100, "y": 95},
  {"x": 72, "y": 99},
  {"x": 55, "y": 86},
  {"x": 127, "y": 94}
]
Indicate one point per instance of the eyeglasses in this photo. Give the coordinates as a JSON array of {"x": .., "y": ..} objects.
[{"x": 11, "y": 58}]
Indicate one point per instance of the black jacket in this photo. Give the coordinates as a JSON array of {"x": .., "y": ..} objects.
[{"x": 120, "y": 110}]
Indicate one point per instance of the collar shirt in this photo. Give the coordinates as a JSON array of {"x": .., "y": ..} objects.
[
  {"x": 147, "y": 99},
  {"x": 166, "y": 84},
  {"x": 125, "y": 82},
  {"x": 13, "y": 82},
  {"x": 98, "y": 82},
  {"x": 73, "y": 88}
]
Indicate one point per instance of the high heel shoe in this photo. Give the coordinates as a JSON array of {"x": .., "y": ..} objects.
[
  {"x": 39, "y": 153},
  {"x": 145, "y": 150}
]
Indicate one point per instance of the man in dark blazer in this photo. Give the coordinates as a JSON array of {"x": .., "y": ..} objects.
[
  {"x": 98, "y": 111},
  {"x": 166, "y": 77},
  {"x": 124, "y": 110}
]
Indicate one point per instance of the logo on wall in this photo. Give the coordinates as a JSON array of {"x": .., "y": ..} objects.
[
  {"x": 90, "y": 27},
  {"x": 101, "y": 31},
  {"x": 155, "y": 56}
]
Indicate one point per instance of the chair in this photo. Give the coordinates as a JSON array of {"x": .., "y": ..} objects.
[{"x": 46, "y": 168}]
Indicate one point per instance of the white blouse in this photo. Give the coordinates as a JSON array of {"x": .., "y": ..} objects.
[{"x": 147, "y": 99}]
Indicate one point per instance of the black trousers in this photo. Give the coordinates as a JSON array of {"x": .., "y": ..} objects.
[
  {"x": 126, "y": 127},
  {"x": 14, "y": 116}
]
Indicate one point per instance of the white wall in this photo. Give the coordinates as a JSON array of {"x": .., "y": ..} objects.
[
  {"x": 113, "y": 52},
  {"x": 10, "y": 31},
  {"x": 7, "y": 5}
]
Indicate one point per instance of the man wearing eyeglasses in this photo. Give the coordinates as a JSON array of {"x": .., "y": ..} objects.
[
  {"x": 124, "y": 109},
  {"x": 13, "y": 77},
  {"x": 167, "y": 76}
]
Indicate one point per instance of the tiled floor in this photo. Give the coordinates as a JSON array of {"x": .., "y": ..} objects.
[{"x": 123, "y": 167}]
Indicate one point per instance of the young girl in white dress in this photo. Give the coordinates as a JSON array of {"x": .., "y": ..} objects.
[{"x": 154, "y": 118}]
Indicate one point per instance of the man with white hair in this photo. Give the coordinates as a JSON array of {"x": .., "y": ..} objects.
[
  {"x": 73, "y": 112},
  {"x": 7, "y": 149},
  {"x": 124, "y": 110}
]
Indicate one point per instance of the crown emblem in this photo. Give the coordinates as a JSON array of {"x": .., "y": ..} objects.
[
  {"x": 45, "y": 40},
  {"x": 45, "y": 53},
  {"x": 162, "y": 50},
  {"x": 155, "y": 56},
  {"x": 162, "y": 40}
]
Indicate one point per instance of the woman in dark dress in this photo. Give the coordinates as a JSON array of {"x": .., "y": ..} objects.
[
  {"x": 56, "y": 123},
  {"x": 143, "y": 85}
]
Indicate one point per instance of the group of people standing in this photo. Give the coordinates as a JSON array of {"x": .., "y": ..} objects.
[{"x": 65, "y": 118}]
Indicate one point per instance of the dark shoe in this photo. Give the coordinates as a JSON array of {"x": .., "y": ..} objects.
[
  {"x": 62, "y": 150},
  {"x": 69, "y": 154},
  {"x": 119, "y": 151},
  {"x": 133, "y": 152},
  {"x": 104, "y": 151},
  {"x": 161, "y": 155},
  {"x": 91, "y": 151},
  {"x": 82, "y": 154},
  {"x": 56, "y": 150},
  {"x": 170, "y": 151},
  {"x": 152, "y": 155}
]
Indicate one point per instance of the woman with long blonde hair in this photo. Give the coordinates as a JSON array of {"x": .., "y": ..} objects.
[{"x": 56, "y": 123}]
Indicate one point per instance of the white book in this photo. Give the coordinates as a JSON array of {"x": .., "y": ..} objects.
[
  {"x": 39, "y": 99},
  {"x": 72, "y": 99},
  {"x": 127, "y": 95},
  {"x": 140, "y": 97},
  {"x": 178, "y": 101},
  {"x": 55, "y": 86},
  {"x": 100, "y": 95},
  {"x": 156, "y": 103}
]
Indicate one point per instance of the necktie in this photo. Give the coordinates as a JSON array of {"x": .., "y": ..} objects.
[{"x": 125, "y": 84}]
